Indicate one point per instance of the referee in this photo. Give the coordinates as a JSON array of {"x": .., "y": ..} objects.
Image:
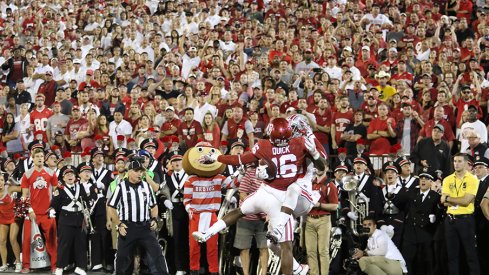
[
  {"x": 458, "y": 194},
  {"x": 133, "y": 208}
]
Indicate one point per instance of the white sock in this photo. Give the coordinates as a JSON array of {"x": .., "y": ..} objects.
[
  {"x": 283, "y": 218},
  {"x": 295, "y": 265},
  {"x": 216, "y": 228}
]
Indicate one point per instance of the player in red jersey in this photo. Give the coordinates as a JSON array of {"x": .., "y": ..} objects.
[
  {"x": 38, "y": 183},
  {"x": 285, "y": 155},
  {"x": 39, "y": 116}
]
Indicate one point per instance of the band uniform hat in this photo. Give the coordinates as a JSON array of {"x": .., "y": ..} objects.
[
  {"x": 84, "y": 166},
  {"x": 427, "y": 172},
  {"x": 480, "y": 160},
  {"x": 149, "y": 142},
  {"x": 391, "y": 165}
]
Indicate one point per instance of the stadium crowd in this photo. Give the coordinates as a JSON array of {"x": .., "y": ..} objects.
[{"x": 386, "y": 86}]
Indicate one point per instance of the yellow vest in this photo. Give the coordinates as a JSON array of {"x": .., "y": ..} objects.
[{"x": 457, "y": 188}]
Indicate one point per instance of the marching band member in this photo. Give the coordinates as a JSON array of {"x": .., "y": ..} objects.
[
  {"x": 67, "y": 203},
  {"x": 8, "y": 224},
  {"x": 37, "y": 184},
  {"x": 120, "y": 166},
  {"x": 395, "y": 201},
  {"x": 180, "y": 220},
  {"x": 406, "y": 178},
  {"x": 423, "y": 213},
  {"x": 151, "y": 145},
  {"x": 97, "y": 213}
]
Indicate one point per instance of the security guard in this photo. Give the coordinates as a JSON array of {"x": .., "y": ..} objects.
[
  {"x": 481, "y": 169},
  {"x": 423, "y": 215},
  {"x": 72, "y": 228},
  {"x": 133, "y": 207},
  {"x": 458, "y": 194},
  {"x": 177, "y": 180},
  {"x": 395, "y": 198}
]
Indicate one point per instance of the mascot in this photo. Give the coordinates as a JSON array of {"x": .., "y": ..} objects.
[{"x": 202, "y": 199}]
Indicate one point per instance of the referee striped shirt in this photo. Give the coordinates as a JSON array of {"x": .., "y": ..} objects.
[{"x": 133, "y": 201}]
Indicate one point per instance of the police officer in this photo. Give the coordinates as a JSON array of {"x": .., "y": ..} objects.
[
  {"x": 395, "y": 198},
  {"x": 133, "y": 208},
  {"x": 177, "y": 179},
  {"x": 423, "y": 215},
  {"x": 72, "y": 228},
  {"x": 481, "y": 169}
]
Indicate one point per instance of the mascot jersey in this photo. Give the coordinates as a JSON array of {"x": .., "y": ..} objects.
[{"x": 287, "y": 159}]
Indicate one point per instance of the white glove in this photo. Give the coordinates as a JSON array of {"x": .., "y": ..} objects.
[
  {"x": 261, "y": 172},
  {"x": 189, "y": 210},
  {"x": 352, "y": 215},
  {"x": 337, "y": 231},
  {"x": 432, "y": 218},
  {"x": 311, "y": 147},
  {"x": 52, "y": 213},
  {"x": 233, "y": 200},
  {"x": 168, "y": 204},
  {"x": 208, "y": 158}
]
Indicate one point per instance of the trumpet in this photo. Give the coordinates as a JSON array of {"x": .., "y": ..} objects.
[
  {"x": 358, "y": 202},
  {"x": 86, "y": 216}
]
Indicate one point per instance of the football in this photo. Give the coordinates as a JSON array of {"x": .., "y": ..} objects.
[{"x": 271, "y": 168}]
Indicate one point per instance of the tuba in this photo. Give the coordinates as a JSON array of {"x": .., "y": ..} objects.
[{"x": 358, "y": 202}]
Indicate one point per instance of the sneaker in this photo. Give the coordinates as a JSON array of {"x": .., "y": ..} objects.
[
  {"x": 96, "y": 267},
  {"x": 302, "y": 270},
  {"x": 200, "y": 237},
  {"x": 3, "y": 268},
  {"x": 80, "y": 271},
  {"x": 25, "y": 270},
  {"x": 59, "y": 271},
  {"x": 276, "y": 234},
  {"x": 18, "y": 267},
  {"x": 54, "y": 270},
  {"x": 179, "y": 272}
]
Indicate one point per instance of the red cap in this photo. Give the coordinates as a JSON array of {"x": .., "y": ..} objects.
[
  {"x": 98, "y": 137},
  {"x": 151, "y": 129},
  {"x": 120, "y": 137},
  {"x": 174, "y": 139},
  {"x": 17, "y": 156},
  {"x": 40, "y": 95},
  {"x": 341, "y": 150},
  {"x": 38, "y": 132},
  {"x": 89, "y": 72},
  {"x": 55, "y": 147},
  {"x": 67, "y": 154},
  {"x": 224, "y": 143},
  {"x": 3, "y": 149},
  {"x": 75, "y": 107},
  {"x": 129, "y": 140},
  {"x": 166, "y": 139},
  {"x": 361, "y": 141}
]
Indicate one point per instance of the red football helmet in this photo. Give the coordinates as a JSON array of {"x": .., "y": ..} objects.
[{"x": 279, "y": 131}]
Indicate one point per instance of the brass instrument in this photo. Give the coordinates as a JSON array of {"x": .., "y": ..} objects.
[
  {"x": 86, "y": 216},
  {"x": 12, "y": 181},
  {"x": 165, "y": 192},
  {"x": 358, "y": 202}
]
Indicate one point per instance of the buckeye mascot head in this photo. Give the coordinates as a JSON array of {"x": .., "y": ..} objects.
[{"x": 193, "y": 166}]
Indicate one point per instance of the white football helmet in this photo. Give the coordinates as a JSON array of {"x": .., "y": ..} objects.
[{"x": 300, "y": 125}]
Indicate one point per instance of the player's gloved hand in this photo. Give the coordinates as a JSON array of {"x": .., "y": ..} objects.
[
  {"x": 52, "y": 213},
  {"x": 208, "y": 158},
  {"x": 311, "y": 147},
  {"x": 168, "y": 204},
  {"x": 352, "y": 215},
  {"x": 432, "y": 218},
  {"x": 337, "y": 231},
  {"x": 261, "y": 172}
]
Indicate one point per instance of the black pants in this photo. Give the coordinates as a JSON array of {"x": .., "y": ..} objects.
[
  {"x": 71, "y": 238},
  {"x": 98, "y": 241},
  {"x": 139, "y": 234},
  {"x": 483, "y": 245},
  {"x": 180, "y": 237},
  {"x": 461, "y": 232},
  {"x": 419, "y": 257}
]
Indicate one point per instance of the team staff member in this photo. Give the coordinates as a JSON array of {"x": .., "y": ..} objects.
[
  {"x": 38, "y": 183},
  {"x": 133, "y": 208},
  {"x": 458, "y": 194},
  {"x": 318, "y": 225},
  {"x": 67, "y": 201}
]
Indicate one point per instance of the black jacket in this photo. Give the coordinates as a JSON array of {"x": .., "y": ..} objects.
[
  {"x": 437, "y": 156},
  {"x": 417, "y": 226},
  {"x": 61, "y": 199}
]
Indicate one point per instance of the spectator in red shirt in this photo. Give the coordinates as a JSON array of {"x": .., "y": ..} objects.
[
  {"x": 380, "y": 130},
  {"x": 439, "y": 117},
  {"x": 190, "y": 130},
  {"x": 339, "y": 121}
]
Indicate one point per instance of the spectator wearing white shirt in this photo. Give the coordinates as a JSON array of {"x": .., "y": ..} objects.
[
  {"x": 190, "y": 60},
  {"x": 204, "y": 106},
  {"x": 381, "y": 256},
  {"x": 375, "y": 17},
  {"x": 332, "y": 69},
  {"x": 119, "y": 127},
  {"x": 473, "y": 124}
]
